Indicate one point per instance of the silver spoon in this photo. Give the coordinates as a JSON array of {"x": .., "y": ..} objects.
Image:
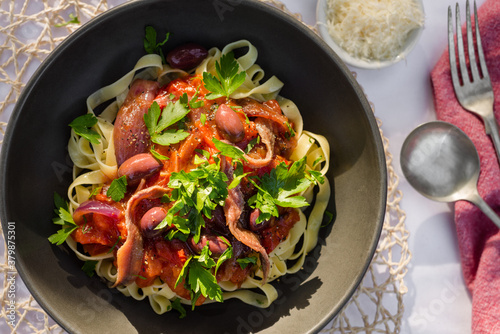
[{"x": 441, "y": 163}]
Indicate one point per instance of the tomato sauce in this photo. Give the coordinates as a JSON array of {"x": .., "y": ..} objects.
[{"x": 162, "y": 258}]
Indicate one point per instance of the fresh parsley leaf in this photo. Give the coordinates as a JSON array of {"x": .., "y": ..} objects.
[
  {"x": 227, "y": 78},
  {"x": 195, "y": 194},
  {"x": 82, "y": 126},
  {"x": 229, "y": 150},
  {"x": 329, "y": 218},
  {"x": 151, "y": 45},
  {"x": 198, "y": 276},
  {"x": 204, "y": 153},
  {"x": 151, "y": 118},
  {"x": 114, "y": 245},
  {"x": 239, "y": 109},
  {"x": 117, "y": 189},
  {"x": 203, "y": 118},
  {"x": 59, "y": 202},
  {"x": 317, "y": 176},
  {"x": 64, "y": 219},
  {"x": 176, "y": 234},
  {"x": 265, "y": 202},
  {"x": 170, "y": 115},
  {"x": 184, "y": 271},
  {"x": 244, "y": 262},
  {"x": 202, "y": 281},
  {"x": 95, "y": 191},
  {"x": 72, "y": 19},
  {"x": 317, "y": 161},
  {"x": 176, "y": 305},
  {"x": 238, "y": 175},
  {"x": 89, "y": 267},
  {"x": 204, "y": 257},
  {"x": 199, "y": 160},
  {"x": 169, "y": 137},
  {"x": 280, "y": 188},
  {"x": 291, "y": 131},
  {"x": 228, "y": 253},
  {"x": 193, "y": 103},
  {"x": 61, "y": 235},
  {"x": 157, "y": 155},
  {"x": 251, "y": 144}
]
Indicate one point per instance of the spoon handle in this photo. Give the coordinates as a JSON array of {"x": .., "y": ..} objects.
[{"x": 487, "y": 210}]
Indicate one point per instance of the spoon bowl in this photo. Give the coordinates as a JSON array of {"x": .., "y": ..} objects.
[{"x": 442, "y": 163}]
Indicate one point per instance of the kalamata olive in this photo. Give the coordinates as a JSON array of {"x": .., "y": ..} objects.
[
  {"x": 151, "y": 219},
  {"x": 229, "y": 123},
  {"x": 215, "y": 243},
  {"x": 187, "y": 56},
  {"x": 252, "y": 224},
  {"x": 139, "y": 166}
]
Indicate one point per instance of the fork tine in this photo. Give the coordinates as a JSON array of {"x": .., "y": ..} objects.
[
  {"x": 451, "y": 49},
  {"x": 480, "y": 52},
  {"x": 460, "y": 47},
  {"x": 470, "y": 44}
]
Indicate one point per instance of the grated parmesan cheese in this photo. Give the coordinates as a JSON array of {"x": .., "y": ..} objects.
[{"x": 372, "y": 29}]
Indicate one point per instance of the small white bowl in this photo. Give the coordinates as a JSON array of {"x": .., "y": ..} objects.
[{"x": 321, "y": 18}]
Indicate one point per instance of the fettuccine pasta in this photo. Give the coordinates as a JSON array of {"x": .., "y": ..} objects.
[{"x": 147, "y": 244}]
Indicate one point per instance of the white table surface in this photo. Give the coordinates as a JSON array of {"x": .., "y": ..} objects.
[{"x": 437, "y": 300}]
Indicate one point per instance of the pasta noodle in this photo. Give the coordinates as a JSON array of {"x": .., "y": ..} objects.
[{"x": 95, "y": 166}]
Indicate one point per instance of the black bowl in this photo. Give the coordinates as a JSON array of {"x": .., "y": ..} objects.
[{"x": 35, "y": 164}]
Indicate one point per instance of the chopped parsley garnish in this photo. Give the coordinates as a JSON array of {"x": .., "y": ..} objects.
[
  {"x": 317, "y": 161},
  {"x": 117, "y": 189},
  {"x": 157, "y": 126},
  {"x": 227, "y": 78},
  {"x": 244, "y": 262},
  {"x": 240, "y": 110},
  {"x": 95, "y": 191},
  {"x": 158, "y": 155},
  {"x": 176, "y": 305},
  {"x": 252, "y": 143},
  {"x": 195, "y": 193},
  {"x": 151, "y": 45},
  {"x": 86, "y": 228},
  {"x": 83, "y": 126},
  {"x": 198, "y": 276},
  {"x": 193, "y": 103},
  {"x": 64, "y": 219},
  {"x": 238, "y": 175},
  {"x": 114, "y": 245},
  {"x": 203, "y": 118},
  {"x": 291, "y": 132},
  {"x": 329, "y": 218},
  {"x": 89, "y": 267},
  {"x": 280, "y": 188},
  {"x": 228, "y": 253}
]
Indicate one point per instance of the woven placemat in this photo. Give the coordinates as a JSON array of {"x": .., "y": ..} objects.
[{"x": 29, "y": 31}]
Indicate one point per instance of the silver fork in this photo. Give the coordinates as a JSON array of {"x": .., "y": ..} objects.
[{"x": 474, "y": 95}]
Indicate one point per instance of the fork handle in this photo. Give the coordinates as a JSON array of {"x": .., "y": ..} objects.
[{"x": 491, "y": 129}]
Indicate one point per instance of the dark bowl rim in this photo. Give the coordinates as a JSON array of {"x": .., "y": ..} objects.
[{"x": 259, "y": 5}]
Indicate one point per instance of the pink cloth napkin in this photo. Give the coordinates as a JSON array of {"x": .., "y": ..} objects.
[{"x": 478, "y": 237}]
